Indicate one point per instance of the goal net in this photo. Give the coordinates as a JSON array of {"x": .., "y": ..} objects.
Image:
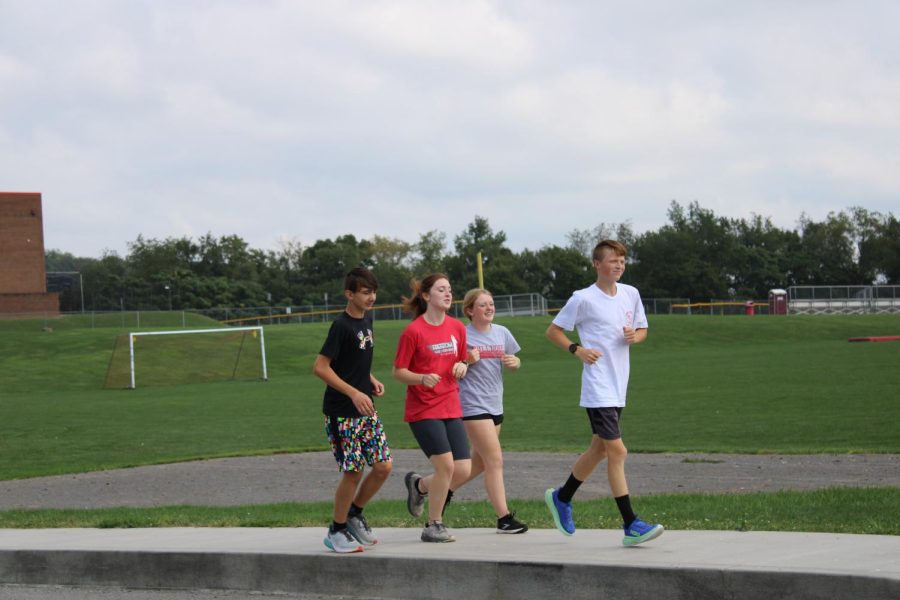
[{"x": 187, "y": 356}]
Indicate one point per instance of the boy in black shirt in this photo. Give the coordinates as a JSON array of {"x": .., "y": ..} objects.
[{"x": 351, "y": 423}]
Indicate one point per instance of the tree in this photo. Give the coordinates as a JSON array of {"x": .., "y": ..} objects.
[
  {"x": 498, "y": 262},
  {"x": 761, "y": 257},
  {"x": 877, "y": 239},
  {"x": 391, "y": 259},
  {"x": 687, "y": 258},
  {"x": 554, "y": 272},
  {"x": 825, "y": 253},
  {"x": 324, "y": 265},
  {"x": 429, "y": 252},
  {"x": 584, "y": 240}
]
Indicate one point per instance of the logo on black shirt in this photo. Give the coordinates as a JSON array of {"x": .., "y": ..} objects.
[{"x": 365, "y": 337}]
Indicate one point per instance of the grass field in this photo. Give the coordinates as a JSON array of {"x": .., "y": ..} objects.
[{"x": 711, "y": 384}]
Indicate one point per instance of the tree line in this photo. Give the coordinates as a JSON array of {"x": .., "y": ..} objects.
[{"x": 696, "y": 255}]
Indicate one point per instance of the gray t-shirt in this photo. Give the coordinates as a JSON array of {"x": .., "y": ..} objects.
[{"x": 481, "y": 390}]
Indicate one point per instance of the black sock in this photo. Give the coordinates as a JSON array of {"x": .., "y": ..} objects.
[
  {"x": 447, "y": 501},
  {"x": 418, "y": 489},
  {"x": 335, "y": 526},
  {"x": 624, "y": 504},
  {"x": 354, "y": 511},
  {"x": 568, "y": 490}
]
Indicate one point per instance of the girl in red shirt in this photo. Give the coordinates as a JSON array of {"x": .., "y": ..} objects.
[{"x": 431, "y": 357}]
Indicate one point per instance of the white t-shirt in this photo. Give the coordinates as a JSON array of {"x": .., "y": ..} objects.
[
  {"x": 481, "y": 390},
  {"x": 599, "y": 319}
]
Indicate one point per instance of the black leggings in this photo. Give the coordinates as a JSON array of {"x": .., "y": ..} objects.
[{"x": 440, "y": 436}]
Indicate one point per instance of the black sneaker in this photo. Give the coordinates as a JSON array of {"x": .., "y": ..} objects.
[{"x": 508, "y": 524}]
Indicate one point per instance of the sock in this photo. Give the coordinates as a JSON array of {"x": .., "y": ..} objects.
[
  {"x": 624, "y": 504},
  {"x": 447, "y": 501},
  {"x": 418, "y": 489},
  {"x": 354, "y": 511},
  {"x": 504, "y": 519},
  {"x": 568, "y": 490},
  {"x": 335, "y": 526}
]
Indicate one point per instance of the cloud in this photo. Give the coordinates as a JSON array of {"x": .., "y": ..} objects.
[{"x": 284, "y": 120}]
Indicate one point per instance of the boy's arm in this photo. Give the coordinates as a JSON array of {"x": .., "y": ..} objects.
[
  {"x": 634, "y": 336},
  {"x": 377, "y": 386},
  {"x": 558, "y": 336},
  {"x": 361, "y": 402}
]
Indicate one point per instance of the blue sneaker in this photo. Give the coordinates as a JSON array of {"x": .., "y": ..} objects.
[
  {"x": 561, "y": 511},
  {"x": 639, "y": 532}
]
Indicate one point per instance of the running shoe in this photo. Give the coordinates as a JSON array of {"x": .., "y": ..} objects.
[
  {"x": 437, "y": 532},
  {"x": 360, "y": 529},
  {"x": 639, "y": 532},
  {"x": 415, "y": 500},
  {"x": 509, "y": 524},
  {"x": 561, "y": 511},
  {"x": 342, "y": 542}
]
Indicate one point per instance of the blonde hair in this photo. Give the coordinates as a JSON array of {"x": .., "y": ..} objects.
[
  {"x": 470, "y": 298},
  {"x": 416, "y": 304}
]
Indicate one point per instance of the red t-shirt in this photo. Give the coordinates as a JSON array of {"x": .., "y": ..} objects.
[{"x": 424, "y": 348}]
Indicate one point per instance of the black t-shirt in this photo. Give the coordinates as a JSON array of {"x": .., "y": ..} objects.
[{"x": 349, "y": 345}]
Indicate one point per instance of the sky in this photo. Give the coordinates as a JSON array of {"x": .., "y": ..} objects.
[{"x": 295, "y": 121}]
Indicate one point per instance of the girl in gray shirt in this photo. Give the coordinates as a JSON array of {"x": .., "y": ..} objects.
[{"x": 492, "y": 348}]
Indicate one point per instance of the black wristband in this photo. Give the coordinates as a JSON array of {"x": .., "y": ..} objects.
[{"x": 573, "y": 347}]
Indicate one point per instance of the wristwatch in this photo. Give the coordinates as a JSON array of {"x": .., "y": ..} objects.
[{"x": 573, "y": 347}]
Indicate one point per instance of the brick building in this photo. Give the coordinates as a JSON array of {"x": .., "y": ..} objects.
[{"x": 23, "y": 276}]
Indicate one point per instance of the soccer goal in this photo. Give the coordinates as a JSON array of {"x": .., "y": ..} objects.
[{"x": 187, "y": 356}]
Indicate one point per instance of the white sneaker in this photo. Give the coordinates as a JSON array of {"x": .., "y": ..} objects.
[
  {"x": 359, "y": 529},
  {"x": 342, "y": 542}
]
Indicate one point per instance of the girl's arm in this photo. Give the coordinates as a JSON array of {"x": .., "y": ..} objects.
[{"x": 407, "y": 377}]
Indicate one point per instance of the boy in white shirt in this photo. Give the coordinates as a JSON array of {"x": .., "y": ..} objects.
[{"x": 609, "y": 317}]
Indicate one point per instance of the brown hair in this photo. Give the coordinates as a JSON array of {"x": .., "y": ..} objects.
[
  {"x": 360, "y": 277},
  {"x": 470, "y": 298},
  {"x": 612, "y": 245},
  {"x": 417, "y": 304}
]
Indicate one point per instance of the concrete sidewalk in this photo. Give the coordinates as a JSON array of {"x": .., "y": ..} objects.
[{"x": 480, "y": 564}]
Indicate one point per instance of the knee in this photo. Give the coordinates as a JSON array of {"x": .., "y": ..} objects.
[
  {"x": 382, "y": 469},
  {"x": 597, "y": 451},
  {"x": 353, "y": 476},
  {"x": 443, "y": 467},
  {"x": 493, "y": 463},
  {"x": 617, "y": 452}
]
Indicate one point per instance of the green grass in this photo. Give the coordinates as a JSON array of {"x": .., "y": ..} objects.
[
  {"x": 707, "y": 384},
  {"x": 710, "y": 384},
  {"x": 837, "y": 510}
]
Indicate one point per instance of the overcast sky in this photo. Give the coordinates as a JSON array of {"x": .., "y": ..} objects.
[{"x": 294, "y": 120}]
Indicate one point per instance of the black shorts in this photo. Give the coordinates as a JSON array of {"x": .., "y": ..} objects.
[
  {"x": 497, "y": 419},
  {"x": 440, "y": 436},
  {"x": 605, "y": 421}
]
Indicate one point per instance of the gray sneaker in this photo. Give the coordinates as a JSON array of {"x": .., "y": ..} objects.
[
  {"x": 360, "y": 530},
  {"x": 415, "y": 500},
  {"x": 436, "y": 532},
  {"x": 342, "y": 542}
]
